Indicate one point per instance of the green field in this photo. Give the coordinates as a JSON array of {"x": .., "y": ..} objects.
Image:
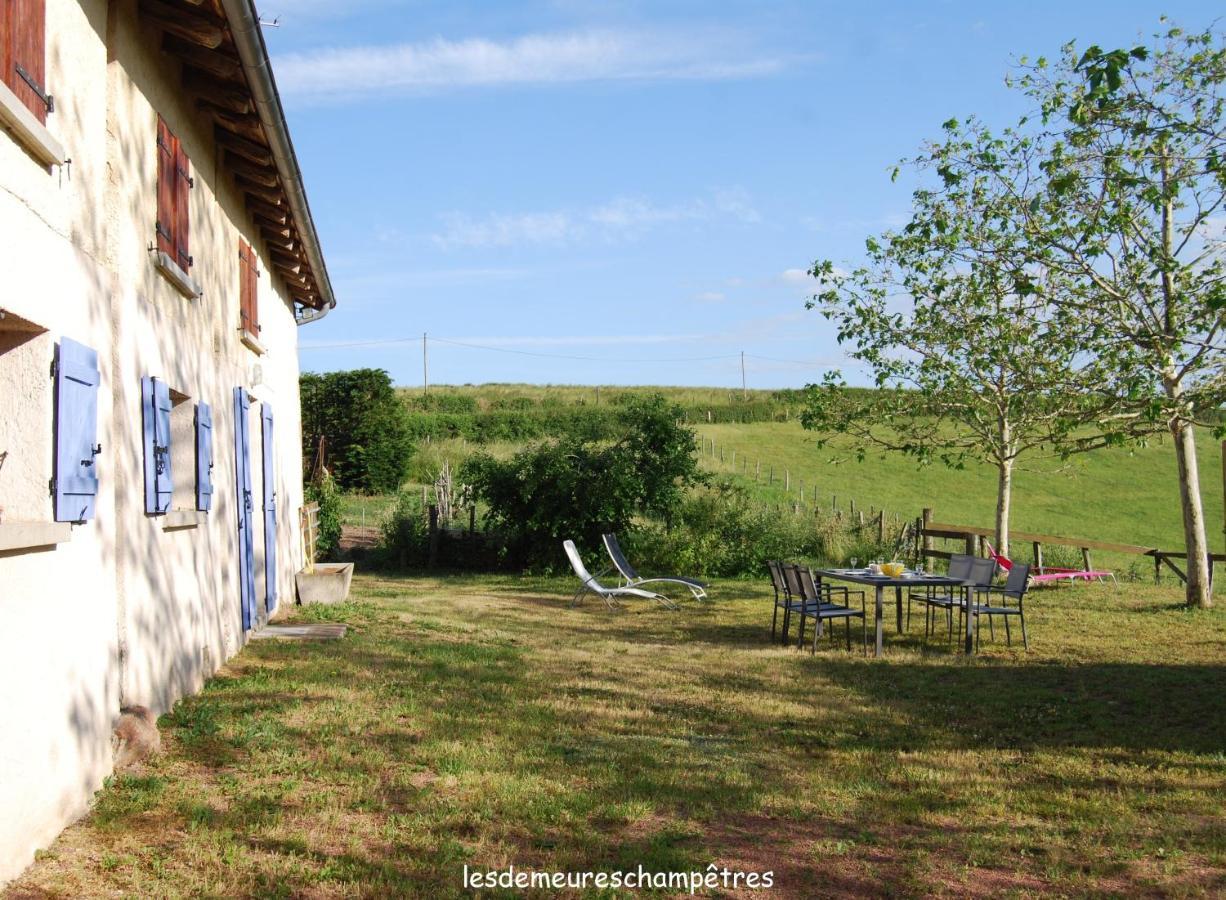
[
  {"x": 1122, "y": 496},
  {"x": 1110, "y": 495}
]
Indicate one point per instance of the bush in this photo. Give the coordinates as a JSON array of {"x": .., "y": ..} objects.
[
  {"x": 364, "y": 427},
  {"x": 577, "y": 488},
  {"x": 405, "y": 532},
  {"x": 721, "y": 531},
  {"x": 325, "y": 492}
]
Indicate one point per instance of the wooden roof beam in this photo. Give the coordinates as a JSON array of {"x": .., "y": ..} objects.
[
  {"x": 184, "y": 23},
  {"x": 253, "y": 152},
  {"x": 245, "y": 126},
  {"x": 277, "y": 228},
  {"x": 269, "y": 195},
  {"x": 250, "y": 171},
  {"x": 225, "y": 94},
  {"x": 216, "y": 62},
  {"x": 267, "y": 210}
]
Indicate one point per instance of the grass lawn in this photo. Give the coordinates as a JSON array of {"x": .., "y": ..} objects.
[{"x": 476, "y": 720}]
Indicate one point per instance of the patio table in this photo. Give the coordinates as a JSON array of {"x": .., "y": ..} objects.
[{"x": 880, "y": 582}]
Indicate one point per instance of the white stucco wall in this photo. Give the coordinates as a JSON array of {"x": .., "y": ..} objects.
[{"x": 127, "y": 611}]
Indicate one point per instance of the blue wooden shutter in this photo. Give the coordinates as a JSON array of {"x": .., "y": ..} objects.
[
  {"x": 76, "y": 430},
  {"x": 155, "y": 418},
  {"x": 270, "y": 511},
  {"x": 204, "y": 457},
  {"x": 246, "y": 541}
]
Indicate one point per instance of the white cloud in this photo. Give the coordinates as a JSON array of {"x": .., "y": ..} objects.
[
  {"x": 504, "y": 230},
  {"x": 795, "y": 276},
  {"x": 621, "y": 218},
  {"x": 710, "y": 297},
  {"x": 534, "y": 59}
]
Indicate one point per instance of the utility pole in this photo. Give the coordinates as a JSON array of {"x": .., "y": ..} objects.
[
  {"x": 425, "y": 368},
  {"x": 744, "y": 393}
]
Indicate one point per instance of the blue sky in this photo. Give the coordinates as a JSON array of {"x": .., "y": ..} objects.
[{"x": 626, "y": 193}]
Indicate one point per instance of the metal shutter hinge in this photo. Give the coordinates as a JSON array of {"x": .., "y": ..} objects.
[{"x": 48, "y": 100}]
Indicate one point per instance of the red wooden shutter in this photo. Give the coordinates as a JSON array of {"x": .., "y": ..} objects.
[
  {"x": 183, "y": 184},
  {"x": 24, "y": 63},
  {"x": 244, "y": 285},
  {"x": 253, "y": 291},
  {"x": 166, "y": 222}
]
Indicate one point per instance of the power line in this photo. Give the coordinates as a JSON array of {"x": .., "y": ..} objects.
[
  {"x": 593, "y": 359},
  {"x": 437, "y": 340}
]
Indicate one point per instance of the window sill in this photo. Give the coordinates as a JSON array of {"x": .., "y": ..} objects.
[
  {"x": 28, "y": 130},
  {"x": 184, "y": 283},
  {"x": 253, "y": 343},
  {"x": 30, "y": 535},
  {"x": 183, "y": 518}
]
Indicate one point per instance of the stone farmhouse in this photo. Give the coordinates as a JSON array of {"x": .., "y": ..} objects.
[{"x": 157, "y": 258}]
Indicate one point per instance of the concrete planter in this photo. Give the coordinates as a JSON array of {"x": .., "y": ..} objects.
[{"x": 329, "y": 583}]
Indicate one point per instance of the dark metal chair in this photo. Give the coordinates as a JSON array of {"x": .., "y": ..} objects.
[
  {"x": 935, "y": 597},
  {"x": 819, "y": 605},
  {"x": 983, "y": 570},
  {"x": 996, "y": 603},
  {"x": 782, "y": 596}
]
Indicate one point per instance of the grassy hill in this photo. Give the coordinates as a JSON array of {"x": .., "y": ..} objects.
[{"x": 1111, "y": 495}]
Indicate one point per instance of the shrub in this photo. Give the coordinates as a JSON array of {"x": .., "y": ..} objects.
[
  {"x": 405, "y": 532},
  {"x": 576, "y": 488},
  {"x": 722, "y": 531},
  {"x": 325, "y": 492}
]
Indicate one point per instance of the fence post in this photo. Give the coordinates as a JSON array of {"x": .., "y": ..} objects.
[
  {"x": 771, "y": 480},
  {"x": 1038, "y": 558},
  {"x": 925, "y": 538},
  {"x": 472, "y": 521},
  {"x": 787, "y": 480},
  {"x": 1085, "y": 558},
  {"x": 881, "y": 527},
  {"x": 433, "y": 537}
]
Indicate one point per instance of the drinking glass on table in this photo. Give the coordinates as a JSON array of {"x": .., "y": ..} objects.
[{"x": 855, "y": 562}]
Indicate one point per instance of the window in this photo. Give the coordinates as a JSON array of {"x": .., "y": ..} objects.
[
  {"x": 178, "y": 452},
  {"x": 24, "y": 98},
  {"x": 48, "y": 434},
  {"x": 248, "y": 296},
  {"x": 22, "y": 54},
  {"x": 172, "y": 224}
]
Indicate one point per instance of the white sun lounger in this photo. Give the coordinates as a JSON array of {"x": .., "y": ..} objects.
[
  {"x": 608, "y": 594},
  {"x": 632, "y": 578}
]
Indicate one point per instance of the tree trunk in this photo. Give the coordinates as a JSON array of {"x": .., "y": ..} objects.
[
  {"x": 1193, "y": 515},
  {"x": 1004, "y": 498}
]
